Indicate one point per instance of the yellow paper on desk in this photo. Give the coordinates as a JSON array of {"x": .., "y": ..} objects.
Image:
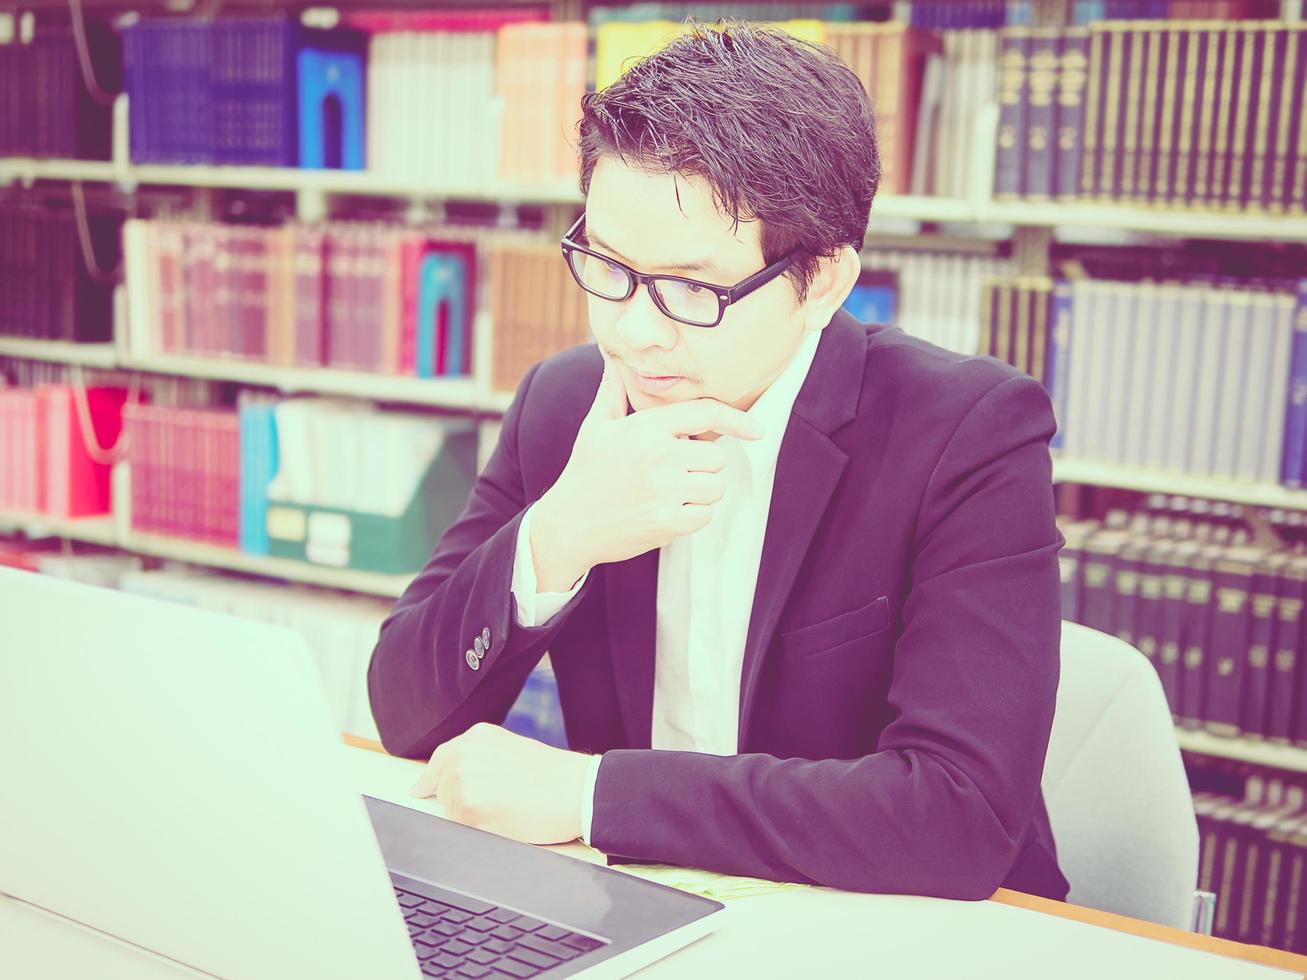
[{"x": 708, "y": 884}]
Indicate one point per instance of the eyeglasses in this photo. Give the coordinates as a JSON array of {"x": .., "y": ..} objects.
[{"x": 688, "y": 301}]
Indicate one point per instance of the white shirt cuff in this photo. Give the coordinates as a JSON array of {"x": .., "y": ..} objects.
[
  {"x": 535, "y": 608},
  {"x": 588, "y": 798}
]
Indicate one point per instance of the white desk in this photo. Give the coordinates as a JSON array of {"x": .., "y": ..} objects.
[{"x": 801, "y": 932}]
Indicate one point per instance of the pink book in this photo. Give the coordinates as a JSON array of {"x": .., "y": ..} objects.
[{"x": 450, "y": 19}]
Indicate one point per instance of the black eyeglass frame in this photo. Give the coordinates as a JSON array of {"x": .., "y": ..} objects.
[{"x": 726, "y": 295}]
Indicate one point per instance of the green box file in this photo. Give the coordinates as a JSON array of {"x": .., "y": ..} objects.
[{"x": 370, "y": 542}]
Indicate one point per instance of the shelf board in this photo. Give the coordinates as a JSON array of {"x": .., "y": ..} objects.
[
  {"x": 1286, "y": 757},
  {"x": 58, "y": 351},
  {"x": 93, "y": 530},
  {"x": 1172, "y": 482},
  {"x": 214, "y": 556},
  {"x": 1072, "y": 214},
  {"x": 1161, "y": 221},
  {"x": 461, "y": 394}
]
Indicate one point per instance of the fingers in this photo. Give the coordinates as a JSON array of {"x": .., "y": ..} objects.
[
  {"x": 430, "y": 778},
  {"x": 698, "y": 455},
  {"x": 610, "y": 397},
  {"x": 705, "y": 415},
  {"x": 703, "y": 488}
]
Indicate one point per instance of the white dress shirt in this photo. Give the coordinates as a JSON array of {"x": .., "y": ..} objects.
[{"x": 706, "y": 582}]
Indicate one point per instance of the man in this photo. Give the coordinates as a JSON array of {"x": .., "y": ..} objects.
[{"x": 797, "y": 577}]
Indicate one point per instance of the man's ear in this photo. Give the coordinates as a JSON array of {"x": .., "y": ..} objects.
[{"x": 831, "y": 285}]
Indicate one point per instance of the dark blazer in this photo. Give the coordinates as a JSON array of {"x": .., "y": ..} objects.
[{"x": 902, "y": 656}]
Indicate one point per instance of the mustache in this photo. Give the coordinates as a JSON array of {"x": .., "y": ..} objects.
[{"x": 648, "y": 374}]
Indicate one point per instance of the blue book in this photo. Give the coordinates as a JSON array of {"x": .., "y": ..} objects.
[
  {"x": 254, "y": 91},
  {"x": 872, "y": 303},
  {"x": 442, "y": 290},
  {"x": 1057, "y": 367},
  {"x": 332, "y": 131},
  {"x": 1294, "y": 471},
  {"x": 259, "y": 464}
]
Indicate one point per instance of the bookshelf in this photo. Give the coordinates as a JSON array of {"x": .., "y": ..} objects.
[
  {"x": 59, "y": 352},
  {"x": 92, "y": 530},
  {"x": 1174, "y": 222},
  {"x": 1257, "y": 751},
  {"x": 212, "y": 556},
  {"x": 1096, "y": 474}
]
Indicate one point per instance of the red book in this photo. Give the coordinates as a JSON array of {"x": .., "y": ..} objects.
[
  {"x": 309, "y": 296},
  {"x": 76, "y": 485},
  {"x": 411, "y": 257}
]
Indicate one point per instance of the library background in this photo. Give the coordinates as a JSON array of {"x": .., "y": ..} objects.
[{"x": 257, "y": 327}]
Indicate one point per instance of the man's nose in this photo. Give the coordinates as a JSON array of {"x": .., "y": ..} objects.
[{"x": 643, "y": 325}]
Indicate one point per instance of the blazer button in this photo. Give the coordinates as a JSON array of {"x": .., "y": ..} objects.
[
  {"x": 472, "y": 661},
  {"x": 480, "y": 647},
  {"x": 485, "y": 637}
]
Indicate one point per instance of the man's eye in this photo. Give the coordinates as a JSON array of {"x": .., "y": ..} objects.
[{"x": 694, "y": 289}]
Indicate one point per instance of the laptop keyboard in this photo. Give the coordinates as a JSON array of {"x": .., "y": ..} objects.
[{"x": 457, "y": 936}]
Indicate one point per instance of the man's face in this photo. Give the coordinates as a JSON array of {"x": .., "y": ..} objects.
[{"x": 635, "y": 217}]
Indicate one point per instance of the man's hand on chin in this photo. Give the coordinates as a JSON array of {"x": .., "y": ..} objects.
[{"x": 495, "y": 780}]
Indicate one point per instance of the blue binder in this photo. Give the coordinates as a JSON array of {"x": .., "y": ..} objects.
[
  {"x": 259, "y": 464},
  {"x": 332, "y": 135},
  {"x": 442, "y": 283}
]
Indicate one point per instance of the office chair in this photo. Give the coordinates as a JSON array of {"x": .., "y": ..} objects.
[{"x": 1115, "y": 787}]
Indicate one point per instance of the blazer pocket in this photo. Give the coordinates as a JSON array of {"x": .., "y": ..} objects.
[{"x": 836, "y": 631}]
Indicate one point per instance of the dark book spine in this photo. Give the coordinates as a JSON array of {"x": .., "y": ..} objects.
[
  {"x": 1069, "y": 114},
  {"x": 1132, "y": 75},
  {"x": 1228, "y": 649},
  {"x": 1286, "y": 644},
  {"x": 1225, "y": 875},
  {"x": 1069, "y": 567},
  {"x": 1126, "y": 601},
  {"x": 1214, "y": 48},
  {"x": 1294, "y": 907},
  {"x": 1040, "y": 87},
  {"x": 1175, "y": 587},
  {"x": 1232, "y": 193},
  {"x": 1295, "y": 191},
  {"x": 1257, "y": 674},
  {"x": 1278, "y": 150},
  {"x": 1099, "y": 591},
  {"x": 1195, "y": 641},
  {"x": 1163, "y": 164},
  {"x": 1013, "y": 81},
  {"x": 1148, "y": 608},
  {"x": 1192, "y": 53},
  {"x": 1110, "y": 135},
  {"x": 1265, "y": 123},
  {"x": 1090, "y": 155},
  {"x": 1230, "y": 53},
  {"x": 1249, "y": 189}
]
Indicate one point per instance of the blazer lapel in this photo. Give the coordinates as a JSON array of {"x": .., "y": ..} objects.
[
  {"x": 808, "y": 468},
  {"x": 632, "y": 597}
]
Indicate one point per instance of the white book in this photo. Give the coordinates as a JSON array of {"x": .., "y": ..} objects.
[
  {"x": 372, "y": 120},
  {"x": 1183, "y": 304},
  {"x": 1235, "y": 367},
  {"x": 1202, "y": 442},
  {"x": 1079, "y": 375},
  {"x": 1255, "y": 416},
  {"x": 1268, "y": 466},
  {"x": 927, "y": 121},
  {"x": 1162, "y": 311},
  {"x": 946, "y": 132},
  {"x": 139, "y": 306},
  {"x": 1120, "y": 318},
  {"x": 1098, "y": 381},
  {"x": 1141, "y": 367}
]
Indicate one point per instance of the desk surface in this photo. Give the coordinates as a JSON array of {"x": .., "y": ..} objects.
[{"x": 963, "y": 921}]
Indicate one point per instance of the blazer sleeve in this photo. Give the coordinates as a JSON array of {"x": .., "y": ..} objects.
[
  {"x": 422, "y": 689},
  {"x": 943, "y": 806}
]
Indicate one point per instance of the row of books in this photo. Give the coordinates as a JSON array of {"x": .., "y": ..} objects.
[
  {"x": 51, "y": 438},
  {"x": 1189, "y": 114},
  {"x": 331, "y": 482},
  {"x": 361, "y": 296},
  {"x": 1252, "y": 853},
  {"x": 1196, "y": 378},
  {"x": 932, "y": 295},
  {"x": 1218, "y": 615},
  {"x": 248, "y": 90},
  {"x": 46, "y": 109},
  {"x": 46, "y": 291},
  {"x": 1015, "y": 13}
]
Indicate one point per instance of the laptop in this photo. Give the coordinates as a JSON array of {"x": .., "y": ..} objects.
[{"x": 173, "y": 780}]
